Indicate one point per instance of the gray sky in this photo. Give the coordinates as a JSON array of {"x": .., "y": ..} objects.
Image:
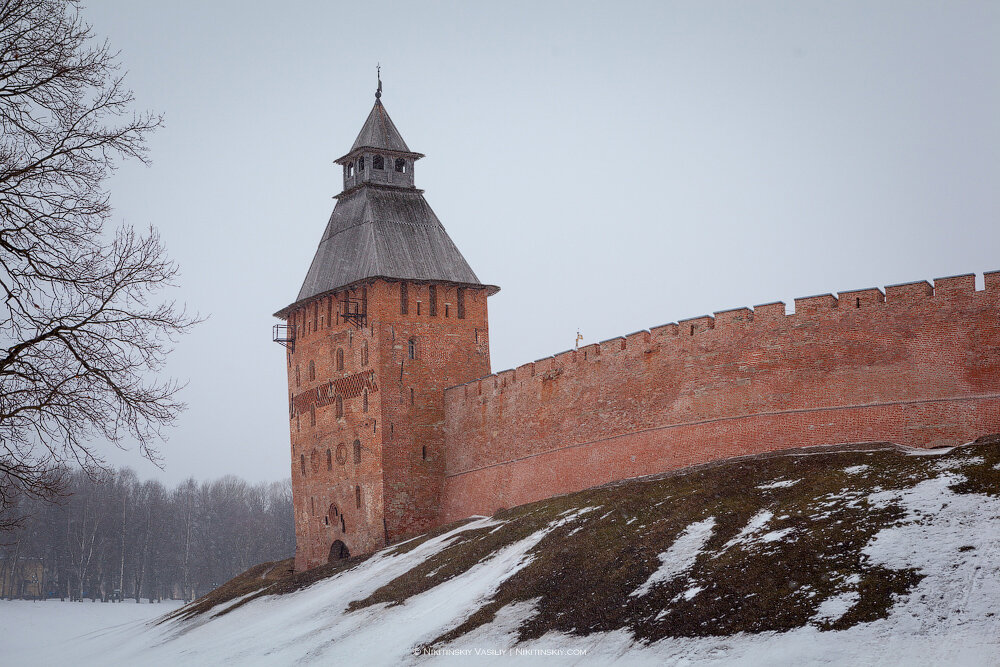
[{"x": 611, "y": 166}]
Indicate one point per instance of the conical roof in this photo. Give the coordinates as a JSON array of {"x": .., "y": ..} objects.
[
  {"x": 380, "y": 132},
  {"x": 380, "y": 230}
]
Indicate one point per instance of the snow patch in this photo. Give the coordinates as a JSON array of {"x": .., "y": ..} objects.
[
  {"x": 754, "y": 525},
  {"x": 780, "y": 484},
  {"x": 681, "y": 555},
  {"x": 954, "y": 464},
  {"x": 775, "y": 535},
  {"x": 856, "y": 470},
  {"x": 834, "y": 607}
]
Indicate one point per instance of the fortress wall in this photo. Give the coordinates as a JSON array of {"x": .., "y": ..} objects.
[{"x": 917, "y": 364}]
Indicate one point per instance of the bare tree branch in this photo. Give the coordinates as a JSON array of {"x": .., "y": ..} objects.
[{"x": 82, "y": 335}]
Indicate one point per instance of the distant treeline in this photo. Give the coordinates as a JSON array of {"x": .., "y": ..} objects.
[{"x": 114, "y": 536}]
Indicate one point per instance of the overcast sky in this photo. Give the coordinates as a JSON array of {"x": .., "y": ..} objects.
[{"x": 612, "y": 166}]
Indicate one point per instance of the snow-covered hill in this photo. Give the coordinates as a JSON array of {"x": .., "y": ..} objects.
[{"x": 864, "y": 555}]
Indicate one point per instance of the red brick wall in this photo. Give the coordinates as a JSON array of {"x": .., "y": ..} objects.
[
  {"x": 401, "y": 469},
  {"x": 320, "y": 333},
  {"x": 449, "y": 350},
  {"x": 918, "y": 365}
]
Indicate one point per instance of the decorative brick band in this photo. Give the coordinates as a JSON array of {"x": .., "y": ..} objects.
[{"x": 351, "y": 386}]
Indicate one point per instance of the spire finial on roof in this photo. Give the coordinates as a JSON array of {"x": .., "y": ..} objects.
[{"x": 378, "y": 73}]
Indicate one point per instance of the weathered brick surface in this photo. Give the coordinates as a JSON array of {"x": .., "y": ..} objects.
[
  {"x": 918, "y": 365},
  {"x": 400, "y": 472}
]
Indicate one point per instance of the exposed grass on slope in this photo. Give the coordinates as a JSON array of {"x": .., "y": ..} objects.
[{"x": 815, "y": 519}]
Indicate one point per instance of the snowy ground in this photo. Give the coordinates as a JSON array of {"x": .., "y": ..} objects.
[
  {"x": 34, "y": 633},
  {"x": 951, "y": 617}
]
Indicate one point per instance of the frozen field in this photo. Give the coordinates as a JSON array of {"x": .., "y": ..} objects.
[{"x": 33, "y": 632}]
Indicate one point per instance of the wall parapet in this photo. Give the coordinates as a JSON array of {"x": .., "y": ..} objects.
[{"x": 772, "y": 314}]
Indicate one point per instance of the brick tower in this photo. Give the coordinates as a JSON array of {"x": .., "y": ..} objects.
[{"x": 389, "y": 315}]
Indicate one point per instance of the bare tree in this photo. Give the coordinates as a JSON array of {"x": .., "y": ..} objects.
[{"x": 82, "y": 330}]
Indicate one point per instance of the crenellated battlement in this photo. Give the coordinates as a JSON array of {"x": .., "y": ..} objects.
[{"x": 873, "y": 302}]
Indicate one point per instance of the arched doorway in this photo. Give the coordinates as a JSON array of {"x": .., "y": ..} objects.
[{"x": 338, "y": 551}]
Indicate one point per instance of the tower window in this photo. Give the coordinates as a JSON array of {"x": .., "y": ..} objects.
[
  {"x": 357, "y": 451},
  {"x": 411, "y": 348},
  {"x": 401, "y": 165},
  {"x": 343, "y": 528},
  {"x": 357, "y": 496},
  {"x": 433, "y": 297},
  {"x": 349, "y": 170},
  {"x": 340, "y": 358},
  {"x": 423, "y": 452},
  {"x": 361, "y": 164},
  {"x": 447, "y": 309},
  {"x": 378, "y": 162},
  {"x": 365, "y": 399},
  {"x": 312, "y": 414},
  {"x": 364, "y": 353},
  {"x": 312, "y": 370},
  {"x": 461, "y": 303},
  {"x": 298, "y": 375},
  {"x": 340, "y": 406},
  {"x": 403, "y": 307},
  {"x": 329, "y": 460},
  {"x": 302, "y": 463},
  {"x": 857, "y": 302}
]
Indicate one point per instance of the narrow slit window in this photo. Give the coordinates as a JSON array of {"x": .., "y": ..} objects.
[
  {"x": 857, "y": 302},
  {"x": 302, "y": 463},
  {"x": 364, "y": 406},
  {"x": 403, "y": 307},
  {"x": 340, "y": 406},
  {"x": 357, "y": 496},
  {"x": 461, "y": 303},
  {"x": 423, "y": 452},
  {"x": 329, "y": 460},
  {"x": 361, "y": 164},
  {"x": 340, "y": 358},
  {"x": 357, "y": 451},
  {"x": 411, "y": 348},
  {"x": 312, "y": 414},
  {"x": 433, "y": 298},
  {"x": 312, "y": 370}
]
